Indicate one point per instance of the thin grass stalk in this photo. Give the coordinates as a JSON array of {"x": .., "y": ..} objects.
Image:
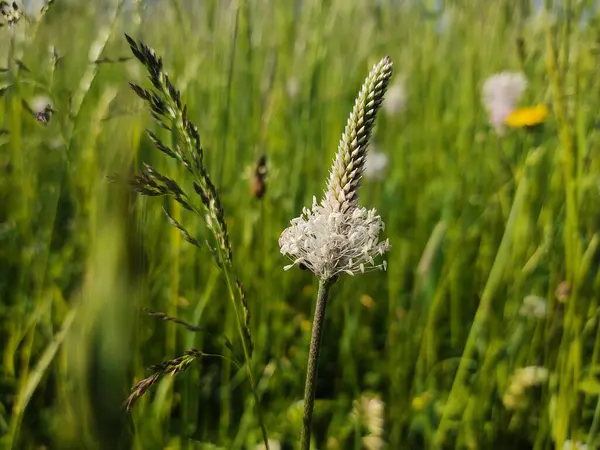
[
  {"x": 32, "y": 380},
  {"x": 247, "y": 359},
  {"x": 175, "y": 245},
  {"x": 591, "y": 440},
  {"x": 569, "y": 354},
  {"x": 483, "y": 311},
  {"x": 310, "y": 386},
  {"x": 227, "y": 107},
  {"x": 26, "y": 192},
  {"x": 567, "y": 155}
]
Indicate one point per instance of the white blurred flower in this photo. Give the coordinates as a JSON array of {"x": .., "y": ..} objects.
[
  {"x": 523, "y": 379},
  {"x": 39, "y": 103},
  {"x": 292, "y": 87},
  {"x": 574, "y": 445},
  {"x": 371, "y": 442},
  {"x": 373, "y": 409},
  {"x": 369, "y": 412},
  {"x": 375, "y": 165},
  {"x": 395, "y": 100},
  {"x": 500, "y": 94},
  {"x": 273, "y": 445},
  {"x": 534, "y": 306}
]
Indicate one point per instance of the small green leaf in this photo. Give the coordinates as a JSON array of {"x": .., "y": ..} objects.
[{"x": 590, "y": 386}]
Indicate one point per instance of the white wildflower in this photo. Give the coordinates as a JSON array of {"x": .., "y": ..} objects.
[
  {"x": 273, "y": 445},
  {"x": 337, "y": 235},
  {"x": 369, "y": 412},
  {"x": 574, "y": 445},
  {"x": 375, "y": 165},
  {"x": 534, "y": 306},
  {"x": 395, "y": 99},
  {"x": 292, "y": 87},
  {"x": 39, "y": 103},
  {"x": 372, "y": 442},
  {"x": 523, "y": 379},
  {"x": 500, "y": 94},
  {"x": 329, "y": 243}
]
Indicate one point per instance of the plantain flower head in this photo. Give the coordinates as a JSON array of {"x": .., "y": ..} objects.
[{"x": 337, "y": 235}]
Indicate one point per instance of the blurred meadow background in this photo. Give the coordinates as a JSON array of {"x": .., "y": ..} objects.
[{"x": 483, "y": 333}]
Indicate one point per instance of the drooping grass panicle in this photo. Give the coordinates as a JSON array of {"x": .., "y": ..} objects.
[
  {"x": 170, "y": 367},
  {"x": 246, "y": 310},
  {"x": 166, "y": 107},
  {"x": 349, "y": 163},
  {"x": 188, "y": 326},
  {"x": 167, "y": 318}
]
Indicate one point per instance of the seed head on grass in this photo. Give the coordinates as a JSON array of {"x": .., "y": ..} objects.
[
  {"x": 171, "y": 367},
  {"x": 166, "y": 107},
  {"x": 337, "y": 235}
]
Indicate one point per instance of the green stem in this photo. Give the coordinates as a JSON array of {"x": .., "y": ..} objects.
[
  {"x": 247, "y": 360},
  {"x": 595, "y": 423},
  {"x": 494, "y": 281},
  {"x": 313, "y": 360}
]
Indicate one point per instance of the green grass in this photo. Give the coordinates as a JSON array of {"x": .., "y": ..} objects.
[{"x": 476, "y": 224}]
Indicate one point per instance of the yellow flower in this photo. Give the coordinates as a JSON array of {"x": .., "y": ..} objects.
[
  {"x": 420, "y": 402},
  {"x": 527, "y": 117},
  {"x": 367, "y": 301},
  {"x": 306, "y": 325}
]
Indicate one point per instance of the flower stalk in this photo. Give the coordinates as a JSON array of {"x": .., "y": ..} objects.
[
  {"x": 337, "y": 235},
  {"x": 313, "y": 360}
]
